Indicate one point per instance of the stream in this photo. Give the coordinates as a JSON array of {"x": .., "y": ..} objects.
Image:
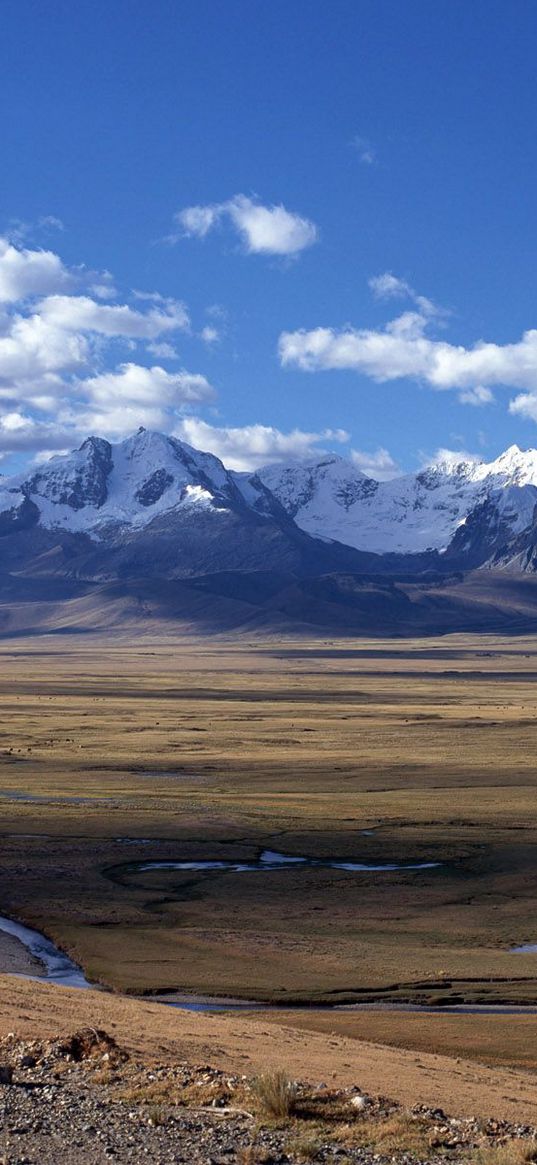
[
  {"x": 272, "y": 860},
  {"x": 59, "y": 967},
  {"x": 61, "y": 970}
]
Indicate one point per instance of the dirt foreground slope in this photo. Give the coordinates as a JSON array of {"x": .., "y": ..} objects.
[{"x": 238, "y": 1043}]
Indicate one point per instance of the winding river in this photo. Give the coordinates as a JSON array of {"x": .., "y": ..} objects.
[
  {"x": 272, "y": 860},
  {"x": 61, "y": 970},
  {"x": 59, "y": 967}
]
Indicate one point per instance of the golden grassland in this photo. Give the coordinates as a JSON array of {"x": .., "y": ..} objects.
[
  {"x": 497, "y": 1040},
  {"x": 112, "y": 752},
  {"x": 253, "y": 1044}
]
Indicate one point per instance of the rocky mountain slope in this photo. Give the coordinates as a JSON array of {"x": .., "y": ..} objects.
[
  {"x": 81, "y": 1098},
  {"x": 102, "y": 486},
  {"x": 110, "y": 494},
  {"x": 331, "y": 498},
  {"x": 153, "y": 528},
  {"x": 151, "y": 506}
]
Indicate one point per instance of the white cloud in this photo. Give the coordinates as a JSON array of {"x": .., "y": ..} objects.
[
  {"x": 389, "y": 286},
  {"x": 115, "y": 421},
  {"x": 271, "y": 230},
  {"x": 364, "y": 149},
  {"x": 22, "y": 433},
  {"x": 402, "y": 349},
  {"x": 80, "y": 313},
  {"x": 252, "y": 446},
  {"x": 210, "y": 335},
  {"x": 379, "y": 464},
  {"x": 18, "y": 231},
  {"x": 25, "y": 273},
  {"x": 449, "y": 459},
  {"x": 162, "y": 350},
  {"x": 524, "y": 405},
  {"x": 135, "y": 383},
  {"x": 57, "y": 379},
  {"x": 480, "y": 395},
  {"x": 268, "y": 230},
  {"x": 199, "y": 220},
  {"x": 45, "y": 455},
  {"x": 32, "y": 348}
]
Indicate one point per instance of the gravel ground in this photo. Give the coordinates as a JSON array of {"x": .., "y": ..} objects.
[
  {"x": 15, "y": 959},
  {"x": 81, "y": 1101}
]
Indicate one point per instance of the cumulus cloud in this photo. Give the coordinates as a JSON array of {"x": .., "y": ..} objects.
[
  {"x": 25, "y": 273},
  {"x": 449, "y": 459},
  {"x": 389, "y": 286},
  {"x": 162, "y": 349},
  {"x": 379, "y": 464},
  {"x": 32, "y": 350},
  {"x": 59, "y": 350},
  {"x": 478, "y": 396},
  {"x": 149, "y": 386},
  {"x": 80, "y": 313},
  {"x": 19, "y": 231},
  {"x": 403, "y": 349},
  {"x": 524, "y": 405},
  {"x": 115, "y": 420},
  {"x": 20, "y": 433},
  {"x": 111, "y": 404},
  {"x": 268, "y": 230},
  {"x": 199, "y": 220},
  {"x": 252, "y": 446}
]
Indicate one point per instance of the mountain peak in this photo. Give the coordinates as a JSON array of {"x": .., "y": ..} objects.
[{"x": 104, "y": 487}]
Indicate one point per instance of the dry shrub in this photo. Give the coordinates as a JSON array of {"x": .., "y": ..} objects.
[
  {"x": 276, "y": 1094},
  {"x": 399, "y": 1133},
  {"x": 104, "y": 1076},
  {"x": 304, "y": 1146},
  {"x": 155, "y": 1092},
  {"x": 157, "y": 1115},
  {"x": 203, "y": 1093},
  {"x": 515, "y": 1152},
  {"x": 249, "y": 1155}
]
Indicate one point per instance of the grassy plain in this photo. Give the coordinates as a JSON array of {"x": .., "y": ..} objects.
[
  {"x": 250, "y": 1044},
  {"x": 113, "y": 752}
]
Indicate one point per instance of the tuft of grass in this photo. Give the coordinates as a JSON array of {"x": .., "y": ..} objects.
[
  {"x": 304, "y": 1146},
  {"x": 519, "y": 1151},
  {"x": 157, "y": 1115},
  {"x": 276, "y": 1094},
  {"x": 249, "y": 1155},
  {"x": 203, "y": 1093},
  {"x": 156, "y": 1093},
  {"x": 399, "y": 1133},
  {"x": 104, "y": 1075}
]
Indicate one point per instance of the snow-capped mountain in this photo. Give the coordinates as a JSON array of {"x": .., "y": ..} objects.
[
  {"x": 152, "y": 505},
  {"x": 151, "y": 529},
  {"x": 101, "y": 486},
  {"x": 331, "y": 498}
]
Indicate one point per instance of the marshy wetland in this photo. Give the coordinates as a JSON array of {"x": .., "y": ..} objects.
[{"x": 120, "y": 763}]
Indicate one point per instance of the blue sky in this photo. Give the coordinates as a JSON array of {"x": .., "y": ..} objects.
[{"x": 325, "y": 148}]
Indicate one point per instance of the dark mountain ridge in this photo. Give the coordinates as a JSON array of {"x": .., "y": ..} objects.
[{"x": 152, "y": 530}]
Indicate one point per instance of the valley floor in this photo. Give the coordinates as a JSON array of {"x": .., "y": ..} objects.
[
  {"x": 249, "y": 1045},
  {"x": 118, "y": 754}
]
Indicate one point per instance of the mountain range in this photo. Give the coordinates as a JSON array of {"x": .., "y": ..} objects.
[{"x": 153, "y": 529}]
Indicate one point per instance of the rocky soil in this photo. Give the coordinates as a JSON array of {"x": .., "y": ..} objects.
[{"x": 83, "y": 1100}]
